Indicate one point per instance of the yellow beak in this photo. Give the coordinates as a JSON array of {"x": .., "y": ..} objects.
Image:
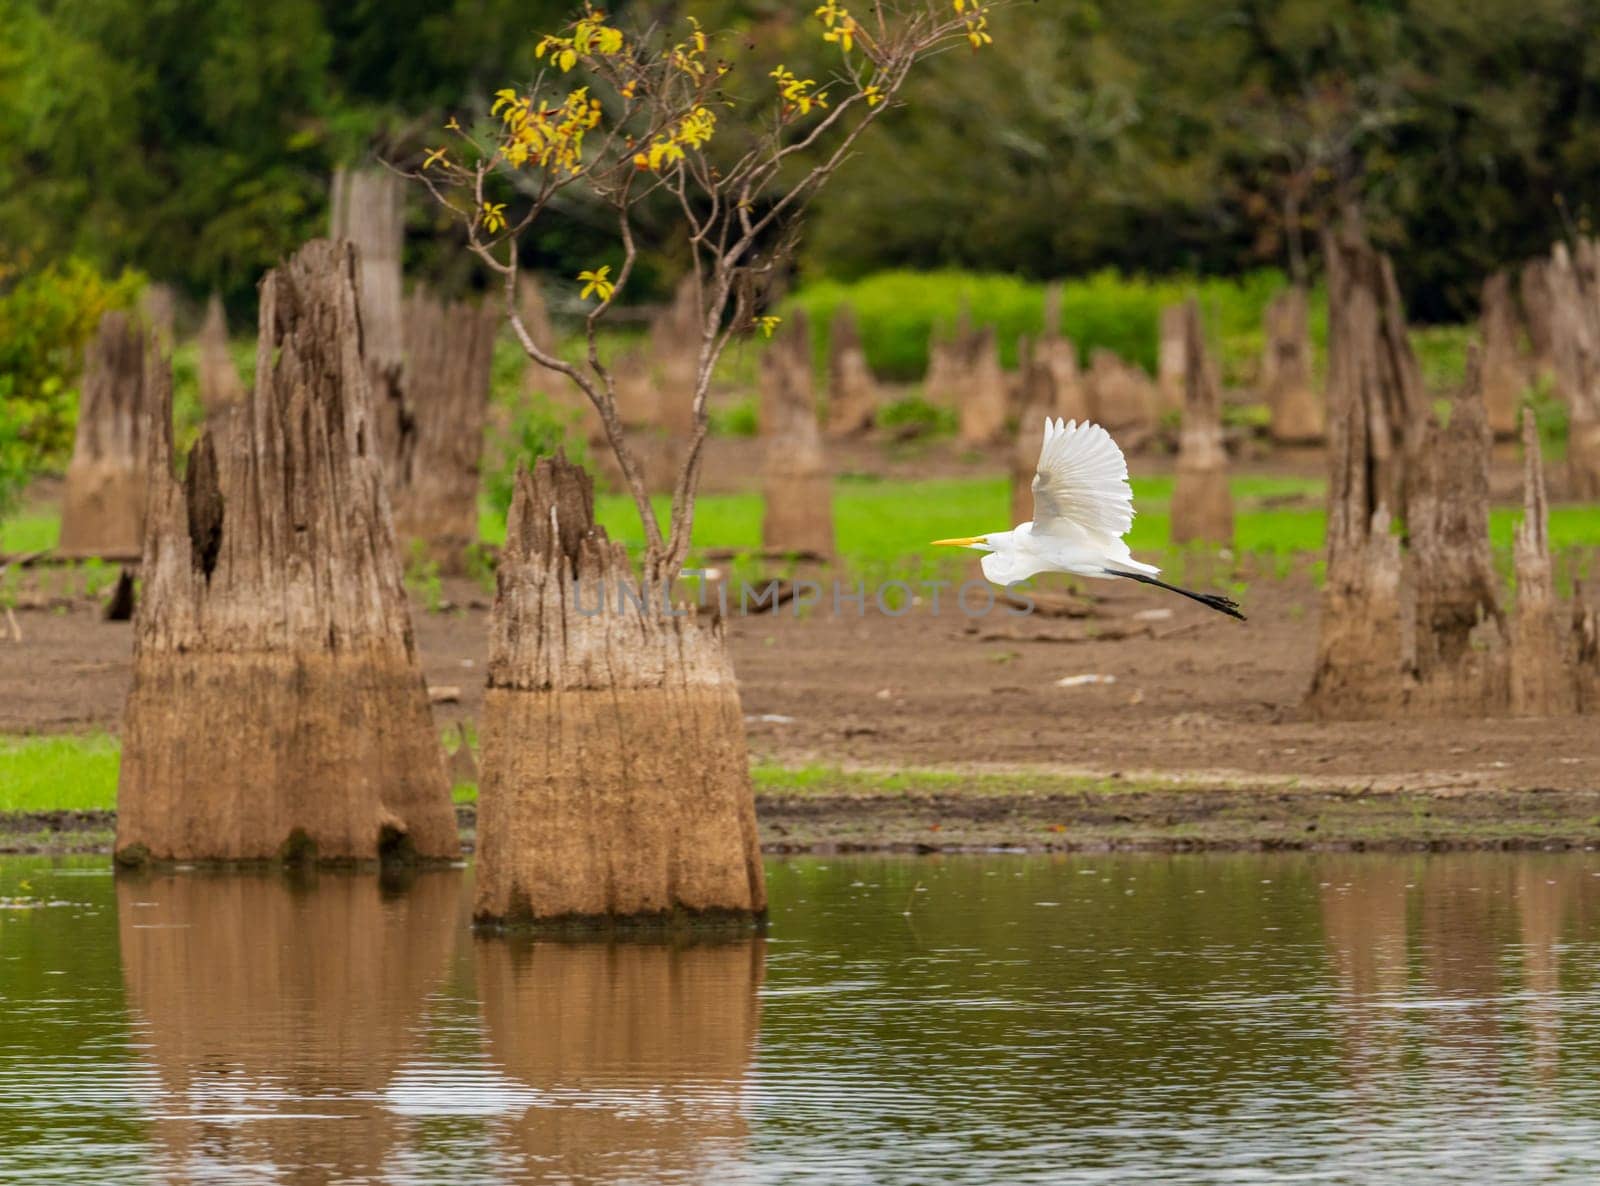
[{"x": 958, "y": 543}]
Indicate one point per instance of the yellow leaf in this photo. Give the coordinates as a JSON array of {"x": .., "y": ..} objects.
[{"x": 568, "y": 59}]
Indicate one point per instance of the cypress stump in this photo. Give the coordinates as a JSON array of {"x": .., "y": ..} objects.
[
  {"x": 852, "y": 391},
  {"x": 983, "y": 398},
  {"x": 1541, "y": 645},
  {"x": 615, "y": 780},
  {"x": 1575, "y": 344},
  {"x": 1172, "y": 359},
  {"x": 220, "y": 386},
  {"x": 1460, "y": 653},
  {"x": 1533, "y": 286},
  {"x": 449, "y": 353},
  {"x": 1123, "y": 399},
  {"x": 797, "y": 489},
  {"x": 675, "y": 337},
  {"x": 1503, "y": 378},
  {"x": 1202, "y": 505},
  {"x": 1038, "y": 403},
  {"x": 368, "y": 210},
  {"x": 104, "y": 505},
  {"x": 1360, "y": 666},
  {"x": 1297, "y": 414},
  {"x": 277, "y": 706}
]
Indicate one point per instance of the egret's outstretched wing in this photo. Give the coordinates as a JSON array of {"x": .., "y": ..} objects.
[{"x": 1081, "y": 484}]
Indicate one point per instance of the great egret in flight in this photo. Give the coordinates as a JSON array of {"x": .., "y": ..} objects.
[{"x": 1082, "y": 507}]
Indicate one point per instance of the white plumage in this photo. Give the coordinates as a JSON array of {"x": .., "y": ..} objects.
[{"x": 1082, "y": 507}]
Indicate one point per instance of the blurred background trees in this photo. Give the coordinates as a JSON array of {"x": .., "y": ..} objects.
[{"x": 193, "y": 139}]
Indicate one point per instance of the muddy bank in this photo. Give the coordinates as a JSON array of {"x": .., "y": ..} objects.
[{"x": 1089, "y": 819}]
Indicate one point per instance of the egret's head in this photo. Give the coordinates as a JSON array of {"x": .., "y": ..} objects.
[{"x": 977, "y": 542}]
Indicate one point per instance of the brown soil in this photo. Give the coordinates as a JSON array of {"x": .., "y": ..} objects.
[{"x": 1195, "y": 694}]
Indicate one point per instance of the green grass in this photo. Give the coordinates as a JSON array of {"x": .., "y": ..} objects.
[
  {"x": 771, "y": 778},
  {"x": 76, "y": 773},
  {"x": 30, "y": 531}
]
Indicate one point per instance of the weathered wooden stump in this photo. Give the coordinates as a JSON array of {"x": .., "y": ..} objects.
[
  {"x": 1059, "y": 357},
  {"x": 1202, "y": 504},
  {"x": 103, "y": 508},
  {"x": 796, "y": 488},
  {"x": 1460, "y": 656},
  {"x": 984, "y": 398},
  {"x": 1171, "y": 359},
  {"x": 158, "y": 310},
  {"x": 1503, "y": 376},
  {"x": 1038, "y": 402},
  {"x": 277, "y": 707},
  {"x": 1360, "y": 666},
  {"x": 1541, "y": 644},
  {"x": 368, "y": 210},
  {"x": 616, "y": 785},
  {"x": 1295, "y": 408},
  {"x": 221, "y": 389},
  {"x": 1533, "y": 287},
  {"x": 675, "y": 337},
  {"x": 1122, "y": 398},
  {"x": 434, "y": 489},
  {"x": 852, "y": 390},
  {"x": 1575, "y": 346}
]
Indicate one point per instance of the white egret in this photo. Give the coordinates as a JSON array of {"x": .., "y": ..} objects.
[{"x": 1082, "y": 507}]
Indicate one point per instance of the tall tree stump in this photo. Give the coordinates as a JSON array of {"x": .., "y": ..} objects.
[
  {"x": 852, "y": 390},
  {"x": 1575, "y": 346},
  {"x": 535, "y": 313},
  {"x": 103, "y": 508},
  {"x": 1171, "y": 360},
  {"x": 221, "y": 389},
  {"x": 1038, "y": 403},
  {"x": 449, "y": 355},
  {"x": 1059, "y": 357},
  {"x": 796, "y": 487},
  {"x": 1533, "y": 286},
  {"x": 1361, "y": 667},
  {"x": 1202, "y": 504},
  {"x": 158, "y": 309},
  {"x": 1295, "y": 408},
  {"x": 1541, "y": 646},
  {"x": 615, "y": 779},
  {"x": 1503, "y": 376},
  {"x": 277, "y": 706},
  {"x": 1460, "y": 647},
  {"x": 368, "y": 210},
  {"x": 1123, "y": 399},
  {"x": 982, "y": 394}
]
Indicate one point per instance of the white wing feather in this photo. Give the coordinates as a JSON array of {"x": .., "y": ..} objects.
[{"x": 1080, "y": 487}]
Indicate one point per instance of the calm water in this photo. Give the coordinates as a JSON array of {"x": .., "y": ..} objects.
[{"x": 1182, "y": 1019}]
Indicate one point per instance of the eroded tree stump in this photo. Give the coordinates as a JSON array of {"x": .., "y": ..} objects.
[
  {"x": 1361, "y": 667},
  {"x": 796, "y": 487},
  {"x": 1123, "y": 399},
  {"x": 1541, "y": 645},
  {"x": 103, "y": 508},
  {"x": 221, "y": 389},
  {"x": 1533, "y": 286},
  {"x": 1038, "y": 403},
  {"x": 1295, "y": 408},
  {"x": 434, "y": 490},
  {"x": 1171, "y": 360},
  {"x": 852, "y": 390},
  {"x": 277, "y": 707},
  {"x": 1575, "y": 347},
  {"x": 368, "y": 210},
  {"x": 615, "y": 778},
  {"x": 675, "y": 337},
  {"x": 1202, "y": 504},
  {"x": 1460, "y": 648},
  {"x": 1503, "y": 376}
]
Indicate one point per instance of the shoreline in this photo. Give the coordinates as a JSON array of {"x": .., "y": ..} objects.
[{"x": 1097, "y": 817}]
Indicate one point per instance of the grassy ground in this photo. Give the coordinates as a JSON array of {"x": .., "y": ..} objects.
[{"x": 77, "y": 773}]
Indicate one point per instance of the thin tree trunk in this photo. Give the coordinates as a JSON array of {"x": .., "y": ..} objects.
[
  {"x": 796, "y": 487},
  {"x": 450, "y": 351},
  {"x": 1541, "y": 647},
  {"x": 277, "y": 706},
  {"x": 1202, "y": 505},
  {"x": 1575, "y": 342},
  {"x": 104, "y": 505},
  {"x": 616, "y": 784}
]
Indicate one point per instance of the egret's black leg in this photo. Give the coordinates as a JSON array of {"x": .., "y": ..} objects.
[{"x": 1216, "y": 601}]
